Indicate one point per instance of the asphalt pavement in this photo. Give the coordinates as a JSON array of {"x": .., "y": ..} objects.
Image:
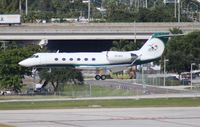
[{"x": 111, "y": 117}]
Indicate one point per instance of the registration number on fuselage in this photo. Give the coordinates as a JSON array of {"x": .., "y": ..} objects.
[{"x": 119, "y": 56}]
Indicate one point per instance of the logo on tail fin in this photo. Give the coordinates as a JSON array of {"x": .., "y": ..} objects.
[{"x": 153, "y": 47}]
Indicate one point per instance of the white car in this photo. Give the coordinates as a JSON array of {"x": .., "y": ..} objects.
[{"x": 6, "y": 92}]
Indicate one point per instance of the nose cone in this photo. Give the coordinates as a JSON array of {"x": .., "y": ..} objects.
[{"x": 24, "y": 63}]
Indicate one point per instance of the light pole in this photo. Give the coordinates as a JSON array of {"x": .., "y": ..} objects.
[
  {"x": 20, "y": 6},
  {"x": 179, "y": 11},
  {"x": 165, "y": 60},
  {"x": 143, "y": 83},
  {"x": 146, "y": 4},
  {"x": 88, "y": 10},
  {"x": 192, "y": 64},
  {"x": 175, "y": 8},
  {"x": 135, "y": 39},
  {"x": 26, "y": 7}
]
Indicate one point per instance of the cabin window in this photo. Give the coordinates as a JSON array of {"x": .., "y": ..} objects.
[
  {"x": 93, "y": 59},
  {"x": 56, "y": 59},
  {"x": 71, "y": 59},
  {"x": 86, "y": 59},
  {"x": 63, "y": 59},
  {"x": 34, "y": 56},
  {"x": 78, "y": 59}
]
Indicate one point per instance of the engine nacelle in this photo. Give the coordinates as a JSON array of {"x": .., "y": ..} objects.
[{"x": 118, "y": 57}]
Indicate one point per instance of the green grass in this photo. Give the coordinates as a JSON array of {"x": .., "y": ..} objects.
[
  {"x": 79, "y": 91},
  {"x": 195, "y": 88},
  {"x": 3, "y": 125},
  {"x": 96, "y": 91},
  {"x": 176, "y": 102}
]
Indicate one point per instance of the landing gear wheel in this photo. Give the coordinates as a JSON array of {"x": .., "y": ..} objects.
[
  {"x": 103, "y": 77},
  {"x": 97, "y": 77}
]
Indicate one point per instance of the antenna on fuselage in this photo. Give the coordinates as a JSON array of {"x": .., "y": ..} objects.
[{"x": 57, "y": 51}]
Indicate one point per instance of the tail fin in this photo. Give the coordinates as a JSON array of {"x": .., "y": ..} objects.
[
  {"x": 154, "y": 47},
  {"x": 164, "y": 36}
]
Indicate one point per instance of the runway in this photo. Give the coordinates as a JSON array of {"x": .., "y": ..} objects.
[{"x": 111, "y": 117}]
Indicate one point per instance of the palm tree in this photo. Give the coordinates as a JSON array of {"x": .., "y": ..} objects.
[{"x": 176, "y": 30}]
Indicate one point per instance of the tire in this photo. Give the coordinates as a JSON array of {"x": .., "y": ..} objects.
[
  {"x": 97, "y": 77},
  {"x": 103, "y": 77}
]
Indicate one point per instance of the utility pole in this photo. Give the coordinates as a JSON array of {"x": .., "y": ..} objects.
[
  {"x": 192, "y": 64},
  {"x": 135, "y": 40},
  {"x": 165, "y": 60},
  {"x": 175, "y": 8},
  {"x": 146, "y": 4},
  {"x": 179, "y": 11},
  {"x": 135, "y": 3},
  {"x": 89, "y": 10},
  {"x": 26, "y": 7},
  {"x": 20, "y": 6}
]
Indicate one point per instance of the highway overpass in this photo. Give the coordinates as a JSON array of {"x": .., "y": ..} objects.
[{"x": 90, "y": 31}]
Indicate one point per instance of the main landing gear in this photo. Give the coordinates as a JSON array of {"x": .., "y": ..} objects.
[{"x": 98, "y": 77}]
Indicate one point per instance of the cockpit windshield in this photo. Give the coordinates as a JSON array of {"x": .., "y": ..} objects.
[{"x": 34, "y": 56}]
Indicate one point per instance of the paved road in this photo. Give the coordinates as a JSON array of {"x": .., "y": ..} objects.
[
  {"x": 91, "y": 31},
  {"x": 129, "y": 117},
  {"x": 99, "y": 27}
]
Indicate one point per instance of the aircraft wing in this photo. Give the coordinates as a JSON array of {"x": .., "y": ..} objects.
[
  {"x": 105, "y": 68},
  {"x": 109, "y": 67}
]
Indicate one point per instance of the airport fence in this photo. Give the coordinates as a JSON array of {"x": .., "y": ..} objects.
[
  {"x": 161, "y": 79},
  {"x": 144, "y": 84}
]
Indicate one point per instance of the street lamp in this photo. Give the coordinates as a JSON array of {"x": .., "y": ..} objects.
[
  {"x": 192, "y": 64},
  {"x": 146, "y": 3},
  {"x": 165, "y": 60}
]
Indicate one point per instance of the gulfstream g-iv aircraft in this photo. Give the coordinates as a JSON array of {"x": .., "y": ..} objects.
[{"x": 107, "y": 60}]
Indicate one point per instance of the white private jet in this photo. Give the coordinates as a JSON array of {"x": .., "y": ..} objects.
[{"x": 107, "y": 60}]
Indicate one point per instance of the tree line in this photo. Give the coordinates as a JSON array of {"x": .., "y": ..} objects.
[
  {"x": 115, "y": 11},
  {"x": 11, "y": 74}
]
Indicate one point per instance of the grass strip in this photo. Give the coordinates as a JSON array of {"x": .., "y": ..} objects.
[
  {"x": 3, "y": 125},
  {"x": 129, "y": 103}
]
